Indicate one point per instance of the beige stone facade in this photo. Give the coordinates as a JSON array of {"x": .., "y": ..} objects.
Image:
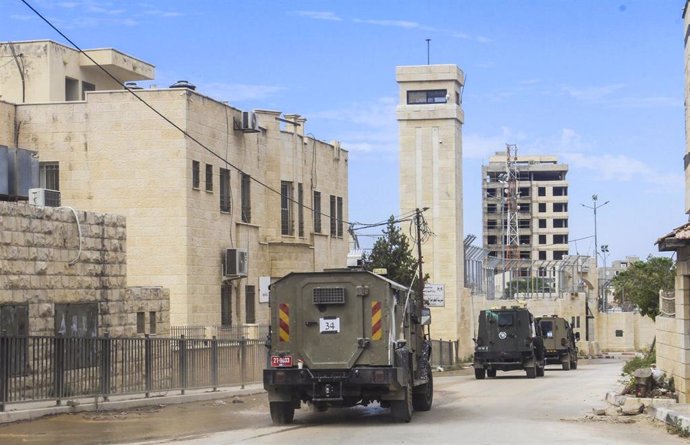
[
  {"x": 65, "y": 272},
  {"x": 189, "y": 198},
  {"x": 430, "y": 119}
]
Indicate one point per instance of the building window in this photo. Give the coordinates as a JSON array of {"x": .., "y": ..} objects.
[
  {"x": 286, "y": 215},
  {"x": 542, "y": 255},
  {"x": 524, "y": 223},
  {"x": 491, "y": 193},
  {"x": 85, "y": 87},
  {"x": 209, "y": 178},
  {"x": 249, "y": 306},
  {"x": 523, "y": 192},
  {"x": 524, "y": 239},
  {"x": 195, "y": 174},
  {"x": 560, "y": 239},
  {"x": 560, "y": 191},
  {"x": 71, "y": 89},
  {"x": 427, "y": 97},
  {"x": 333, "y": 217},
  {"x": 560, "y": 223},
  {"x": 491, "y": 208},
  {"x": 300, "y": 210},
  {"x": 491, "y": 240},
  {"x": 245, "y": 186},
  {"x": 141, "y": 322},
  {"x": 560, "y": 206},
  {"x": 49, "y": 175},
  {"x": 317, "y": 212},
  {"x": 152, "y": 322},
  {"x": 524, "y": 255},
  {"x": 523, "y": 208},
  {"x": 491, "y": 224},
  {"x": 542, "y": 224},
  {"x": 559, "y": 254},
  {"x": 542, "y": 207},
  {"x": 542, "y": 239},
  {"x": 226, "y": 305},
  {"x": 541, "y": 191},
  {"x": 224, "y": 190},
  {"x": 340, "y": 216}
]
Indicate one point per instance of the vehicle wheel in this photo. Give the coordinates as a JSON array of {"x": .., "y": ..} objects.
[
  {"x": 423, "y": 395},
  {"x": 566, "y": 364},
  {"x": 491, "y": 373},
  {"x": 573, "y": 364},
  {"x": 282, "y": 413},
  {"x": 531, "y": 372},
  {"x": 479, "y": 373},
  {"x": 540, "y": 371},
  {"x": 401, "y": 410}
]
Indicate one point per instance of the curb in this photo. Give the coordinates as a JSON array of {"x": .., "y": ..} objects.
[
  {"x": 659, "y": 409},
  {"x": 21, "y": 413},
  {"x": 670, "y": 417}
]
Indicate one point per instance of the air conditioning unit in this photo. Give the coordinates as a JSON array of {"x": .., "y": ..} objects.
[
  {"x": 235, "y": 263},
  {"x": 44, "y": 197},
  {"x": 249, "y": 122}
]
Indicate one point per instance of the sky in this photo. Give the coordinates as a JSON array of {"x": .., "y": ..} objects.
[{"x": 597, "y": 83}]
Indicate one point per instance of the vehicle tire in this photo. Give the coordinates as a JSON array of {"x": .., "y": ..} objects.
[
  {"x": 573, "y": 364},
  {"x": 566, "y": 364},
  {"x": 282, "y": 413},
  {"x": 540, "y": 371},
  {"x": 401, "y": 410},
  {"x": 491, "y": 373},
  {"x": 423, "y": 395},
  {"x": 479, "y": 373},
  {"x": 531, "y": 372}
]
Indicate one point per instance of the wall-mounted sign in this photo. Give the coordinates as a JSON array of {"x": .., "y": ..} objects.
[
  {"x": 264, "y": 282},
  {"x": 435, "y": 295}
]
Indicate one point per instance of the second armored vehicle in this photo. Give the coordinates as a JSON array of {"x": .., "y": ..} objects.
[
  {"x": 559, "y": 341},
  {"x": 508, "y": 339}
]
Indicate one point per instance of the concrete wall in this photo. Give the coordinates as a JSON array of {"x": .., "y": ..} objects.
[{"x": 41, "y": 264}]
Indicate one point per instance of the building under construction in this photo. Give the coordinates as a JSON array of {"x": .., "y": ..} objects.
[{"x": 525, "y": 209}]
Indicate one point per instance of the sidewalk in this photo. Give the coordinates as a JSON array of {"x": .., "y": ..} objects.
[
  {"x": 33, "y": 410},
  {"x": 665, "y": 410}
]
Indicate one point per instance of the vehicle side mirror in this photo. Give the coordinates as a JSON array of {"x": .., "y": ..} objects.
[
  {"x": 577, "y": 336},
  {"x": 426, "y": 316}
]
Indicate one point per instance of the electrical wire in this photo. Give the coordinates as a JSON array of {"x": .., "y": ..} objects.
[{"x": 162, "y": 116}]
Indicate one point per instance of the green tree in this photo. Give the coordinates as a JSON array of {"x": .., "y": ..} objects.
[
  {"x": 641, "y": 282},
  {"x": 392, "y": 251}
]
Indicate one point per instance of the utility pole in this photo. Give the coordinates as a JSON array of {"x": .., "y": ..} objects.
[
  {"x": 418, "y": 223},
  {"x": 428, "y": 59},
  {"x": 594, "y": 207}
]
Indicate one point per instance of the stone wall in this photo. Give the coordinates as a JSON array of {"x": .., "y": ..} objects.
[{"x": 55, "y": 260}]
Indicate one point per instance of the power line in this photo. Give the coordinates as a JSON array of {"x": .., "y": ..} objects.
[{"x": 162, "y": 116}]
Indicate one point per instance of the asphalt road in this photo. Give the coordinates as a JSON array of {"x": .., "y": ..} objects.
[{"x": 510, "y": 409}]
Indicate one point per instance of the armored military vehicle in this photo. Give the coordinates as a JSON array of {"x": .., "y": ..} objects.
[
  {"x": 508, "y": 338},
  {"x": 346, "y": 337},
  {"x": 559, "y": 341}
]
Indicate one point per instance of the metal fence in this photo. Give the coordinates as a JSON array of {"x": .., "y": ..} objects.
[
  {"x": 257, "y": 332},
  {"x": 58, "y": 368}
]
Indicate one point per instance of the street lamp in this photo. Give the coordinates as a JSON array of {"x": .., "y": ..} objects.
[
  {"x": 604, "y": 252},
  {"x": 594, "y": 207}
]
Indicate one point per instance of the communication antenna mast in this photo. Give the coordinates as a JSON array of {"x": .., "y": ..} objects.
[{"x": 513, "y": 240}]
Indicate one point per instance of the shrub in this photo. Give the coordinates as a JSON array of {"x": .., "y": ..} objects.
[{"x": 639, "y": 362}]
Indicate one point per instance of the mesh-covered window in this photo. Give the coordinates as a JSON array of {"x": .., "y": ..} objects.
[
  {"x": 329, "y": 295},
  {"x": 246, "y": 183},
  {"x": 317, "y": 212},
  {"x": 286, "y": 216},
  {"x": 300, "y": 210},
  {"x": 334, "y": 218},
  {"x": 195, "y": 174},
  {"x": 249, "y": 304},
  {"x": 209, "y": 178},
  {"x": 339, "y": 209},
  {"x": 225, "y": 190},
  {"x": 226, "y": 305}
]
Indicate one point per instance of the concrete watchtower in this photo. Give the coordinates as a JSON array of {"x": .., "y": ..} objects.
[{"x": 430, "y": 119}]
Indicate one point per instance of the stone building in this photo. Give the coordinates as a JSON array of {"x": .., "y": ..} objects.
[
  {"x": 213, "y": 214},
  {"x": 542, "y": 207},
  {"x": 430, "y": 119},
  {"x": 673, "y": 325}
]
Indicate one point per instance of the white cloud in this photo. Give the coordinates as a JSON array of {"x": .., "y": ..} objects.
[
  {"x": 475, "y": 146},
  {"x": 319, "y": 15},
  {"x": 592, "y": 93},
  {"x": 237, "y": 92},
  {"x": 622, "y": 168},
  {"x": 394, "y": 23}
]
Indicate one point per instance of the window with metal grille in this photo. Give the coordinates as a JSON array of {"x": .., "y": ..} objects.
[
  {"x": 209, "y": 178},
  {"x": 300, "y": 210},
  {"x": 316, "y": 206},
  {"x": 329, "y": 295},
  {"x": 224, "y": 190},
  {"x": 49, "y": 175},
  {"x": 334, "y": 218},
  {"x": 246, "y": 182},
  {"x": 152, "y": 322},
  {"x": 249, "y": 304},
  {"x": 196, "y": 173},
  {"x": 141, "y": 322},
  {"x": 286, "y": 212},
  {"x": 225, "y": 305}
]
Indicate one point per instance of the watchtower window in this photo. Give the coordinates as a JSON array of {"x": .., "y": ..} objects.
[{"x": 427, "y": 97}]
